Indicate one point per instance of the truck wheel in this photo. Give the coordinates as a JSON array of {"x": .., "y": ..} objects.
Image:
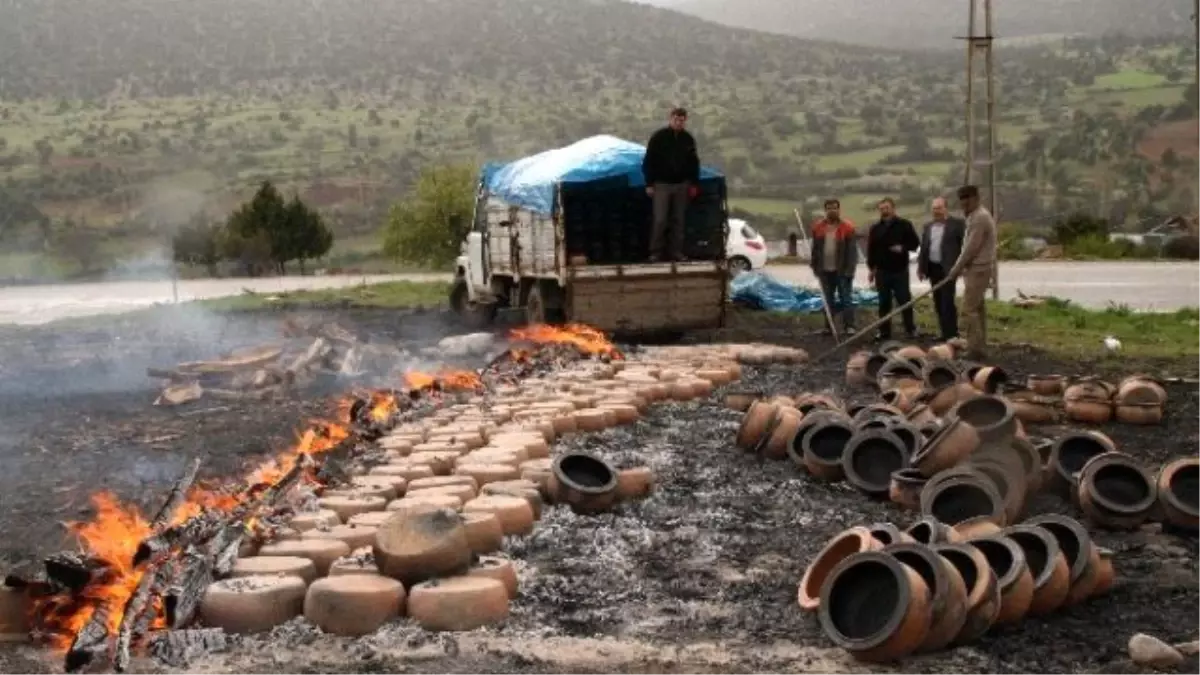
[
  {"x": 474, "y": 314},
  {"x": 538, "y": 310},
  {"x": 739, "y": 264}
]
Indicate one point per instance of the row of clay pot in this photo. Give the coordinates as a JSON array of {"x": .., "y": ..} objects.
[
  {"x": 1137, "y": 399},
  {"x": 882, "y": 593},
  {"x": 750, "y": 354}
]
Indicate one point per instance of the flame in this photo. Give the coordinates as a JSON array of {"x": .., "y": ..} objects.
[
  {"x": 586, "y": 339},
  {"x": 446, "y": 380}
]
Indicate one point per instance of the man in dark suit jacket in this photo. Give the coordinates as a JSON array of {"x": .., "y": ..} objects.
[{"x": 941, "y": 244}]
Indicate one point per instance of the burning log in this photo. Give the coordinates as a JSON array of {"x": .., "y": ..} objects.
[
  {"x": 74, "y": 571},
  {"x": 91, "y": 643},
  {"x": 176, "y": 496},
  {"x": 136, "y": 615},
  {"x": 183, "y": 597}
]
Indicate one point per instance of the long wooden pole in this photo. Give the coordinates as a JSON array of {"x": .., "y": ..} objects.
[{"x": 884, "y": 319}]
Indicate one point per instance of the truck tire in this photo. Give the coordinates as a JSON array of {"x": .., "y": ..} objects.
[
  {"x": 539, "y": 306},
  {"x": 473, "y": 314}
]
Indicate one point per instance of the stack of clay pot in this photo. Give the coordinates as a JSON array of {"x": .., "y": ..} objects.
[
  {"x": 883, "y": 593},
  {"x": 1138, "y": 399}
]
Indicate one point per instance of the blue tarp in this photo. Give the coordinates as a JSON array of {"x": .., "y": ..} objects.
[
  {"x": 761, "y": 291},
  {"x": 530, "y": 182}
]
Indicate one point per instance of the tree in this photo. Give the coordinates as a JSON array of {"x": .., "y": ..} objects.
[
  {"x": 198, "y": 243},
  {"x": 428, "y": 226},
  {"x": 308, "y": 237}
]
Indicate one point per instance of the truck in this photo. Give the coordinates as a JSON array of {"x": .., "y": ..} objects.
[{"x": 564, "y": 235}]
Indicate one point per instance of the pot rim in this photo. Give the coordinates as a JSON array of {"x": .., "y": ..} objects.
[
  {"x": 562, "y": 477},
  {"x": 886, "y": 527},
  {"x": 1052, "y": 521},
  {"x": 910, "y": 475},
  {"x": 821, "y": 426},
  {"x": 1014, "y": 550},
  {"x": 856, "y": 442},
  {"x": 899, "y": 611},
  {"x": 973, "y": 477},
  {"x": 807, "y": 423},
  {"x": 1088, "y": 473},
  {"x": 1052, "y": 377},
  {"x": 858, "y": 532},
  {"x": 1054, "y": 460},
  {"x": 934, "y": 524},
  {"x": 985, "y": 429},
  {"x": 1052, "y": 550},
  {"x": 983, "y": 571},
  {"x": 1167, "y": 475},
  {"x": 940, "y": 588}
]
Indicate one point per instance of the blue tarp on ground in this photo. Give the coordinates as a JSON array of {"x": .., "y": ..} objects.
[
  {"x": 762, "y": 291},
  {"x": 530, "y": 182}
]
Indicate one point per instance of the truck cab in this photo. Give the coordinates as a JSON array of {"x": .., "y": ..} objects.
[{"x": 564, "y": 235}]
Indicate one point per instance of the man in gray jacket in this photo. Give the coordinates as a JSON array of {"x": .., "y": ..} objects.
[{"x": 941, "y": 244}]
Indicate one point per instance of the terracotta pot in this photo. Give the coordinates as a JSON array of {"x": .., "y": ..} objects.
[
  {"x": 979, "y": 526},
  {"x": 1137, "y": 390},
  {"x": 890, "y": 347},
  {"x": 909, "y": 435},
  {"x": 1009, "y": 482},
  {"x": 962, "y": 497},
  {"x": 1031, "y": 464},
  {"x": 938, "y": 375},
  {"x": 940, "y": 352},
  {"x": 920, "y": 414},
  {"x": 909, "y": 353},
  {"x": 1105, "y": 574},
  {"x": 1083, "y": 558},
  {"x": 992, "y": 416},
  {"x": 742, "y": 400},
  {"x": 807, "y": 403},
  {"x": 1139, "y": 414},
  {"x": 1007, "y": 561},
  {"x": 877, "y": 411},
  {"x": 929, "y": 531},
  {"x": 874, "y": 363},
  {"x": 988, "y": 379},
  {"x": 795, "y": 449},
  {"x": 876, "y": 423},
  {"x": 848, "y": 542},
  {"x": 1047, "y": 564},
  {"x": 759, "y": 416},
  {"x": 1178, "y": 493},
  {"x": 929, "y": 430},
  {"x": 951, "y": 444},
  {"x": 1068, "y": 455},
  {"x": 942, "y": 400},
  {"x": 905, "y": 487},
  {"x": 870, "y": 458},
  {"x": 1047, "y": 385},
  {"x": 1115, "y": 492},
  {"x": 856, "y": 369},
  {"x": 1033, "y": 408},
  {"x": 823, "y": 447},
  {"x": 887, "y": 534},
  {"x": 982, "y": 589},
  {"x": 787, "y": 423},
  {"x": 875, "y": 607},
  {"x": 585, "y": 483},
  {"x": 900, "y": 399},
  {"x": 1088, "y": 410},
  {"x": 948, "y": 592}
]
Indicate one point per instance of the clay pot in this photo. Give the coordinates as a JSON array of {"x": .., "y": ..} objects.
[
  {"x": 948, "y": 592},
  {"x": 908, "y": 434},
  {"x": 856, "y": 369},
  {"x": 875, "y": 362},
  {"x": 795, "y": 449},
  {"x": 787, "y": 423},
  {"x": 1031, "y": 464},
  {"x": 992, "y": 417},
  {"x": 951, "y": 444},
  {"x": 940, "y": 401},
  {"x": 921, "y": 414},
  {"x": 1139, "y": 390},
  {"x": 870, "y": 458},
  {"x": 979, "y": 526},
  {"x": 1047, "y": 385},
  {"x": 742, "y": 400},
  {"x": 940, "y": 352},
  {"x": 900, "y": 399},
  {"x": 890, "y": 347},
  {"x": 849, "y": 542},
  {"x": 1033, "y": 408},
  {"x": 1105, "y": 574},
  {"x": 905, "y": 487},
  {"x": 899, "y": 374},
  {"x": 1047, "y": 564},
  {"x": 929, "y": 531},
  {"x": 982, "y": 589},
  {"x": 1140, "y": 415},
  {"x": 823, "y": 447},
  {"x": 758, "y": 418},
  {"x": 961, "y": 497},
  {"x": 1083, "y": 558},
  {"x": 929, "y": 429},
  {"x": 1115, "y": 492},
  {"x": 1088, "y": 410},
  {"x": 1009, "y": 483},
  {"x": 807, "y": 403},
  {"x": 988, "y": 379},
  {"x": 887, "y": 534},
  {"x": 583, "y": 482},
  {"x": 1069, "y": 454},
  {"x": 1007, "y": 561},
  {"x": 938, "y": 375},
  {"x": 909, "y": 353},
  {"x": 1179, "y": 492},
  {"x": 875, "y": 607},
  {"x": 875, "y": 411}
]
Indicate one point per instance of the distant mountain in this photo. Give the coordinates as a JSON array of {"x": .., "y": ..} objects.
[{"x": 923, "y": 24}]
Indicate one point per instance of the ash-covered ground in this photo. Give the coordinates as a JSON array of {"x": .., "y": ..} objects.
[{"x": 699, "y": 578}]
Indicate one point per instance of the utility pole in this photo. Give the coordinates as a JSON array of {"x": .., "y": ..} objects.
[{"x": 981, "y": 124}]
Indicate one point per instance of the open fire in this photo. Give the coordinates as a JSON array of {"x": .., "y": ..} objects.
[{"x": 136, "y": 574}]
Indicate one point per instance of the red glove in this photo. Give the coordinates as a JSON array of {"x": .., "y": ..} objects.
[{"x": 693, "y": 191}]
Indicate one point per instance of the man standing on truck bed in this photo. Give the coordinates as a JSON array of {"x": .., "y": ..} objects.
[
  {"x": 672, "y": 171},
  {"x": 889, "y": 241},
  {"x": 834, "y": 259},
  {"x": 975, "y": 264}
]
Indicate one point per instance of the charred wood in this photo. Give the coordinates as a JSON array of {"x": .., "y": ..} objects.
[
  {"x": 178, "y": 647},
  {"x": 136, "y": 616},
  {"x": 175, "y": 497},
  {"x": 74, "y": 571},
  {"x": 183, "y": 597},
  {"x": 90, "y": 644}
]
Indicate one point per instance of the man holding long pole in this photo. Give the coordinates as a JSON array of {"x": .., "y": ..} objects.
[
  {"x": 975, "y": 265},
  {"x": 834, "y": 259}
]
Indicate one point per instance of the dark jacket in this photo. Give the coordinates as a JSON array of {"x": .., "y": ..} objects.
[
  {"x": 671, "y": 157},
  {"x": 952, "y": 242},
  {"x": 882, "y": 236},
  {"x": 847, "y": 247}
]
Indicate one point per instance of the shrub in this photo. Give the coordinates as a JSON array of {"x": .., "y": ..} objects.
[{"x": 1186, "y": 247}]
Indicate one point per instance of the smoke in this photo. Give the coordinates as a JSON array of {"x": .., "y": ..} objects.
[{"x": 166, "y": 207}]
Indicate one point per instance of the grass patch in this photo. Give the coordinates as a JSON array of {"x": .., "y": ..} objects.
[
  {"x": 387, "y": 295},
  {"x": 1128, "y": 79},
  {"x": 857, "y": 160}
]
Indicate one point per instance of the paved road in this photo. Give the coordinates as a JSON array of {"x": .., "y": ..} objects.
[
  {"x": 1141, "y": 285},
  {"x": 40, "y": 304}
]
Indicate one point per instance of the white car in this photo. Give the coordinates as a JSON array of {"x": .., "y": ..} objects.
[{"x": 745, "y": 248}]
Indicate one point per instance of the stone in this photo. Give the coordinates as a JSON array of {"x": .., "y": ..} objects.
[{"x": 1149, "y": 651}]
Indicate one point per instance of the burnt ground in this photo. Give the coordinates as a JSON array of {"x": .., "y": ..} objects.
[{"x": 700, "y": 578}]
